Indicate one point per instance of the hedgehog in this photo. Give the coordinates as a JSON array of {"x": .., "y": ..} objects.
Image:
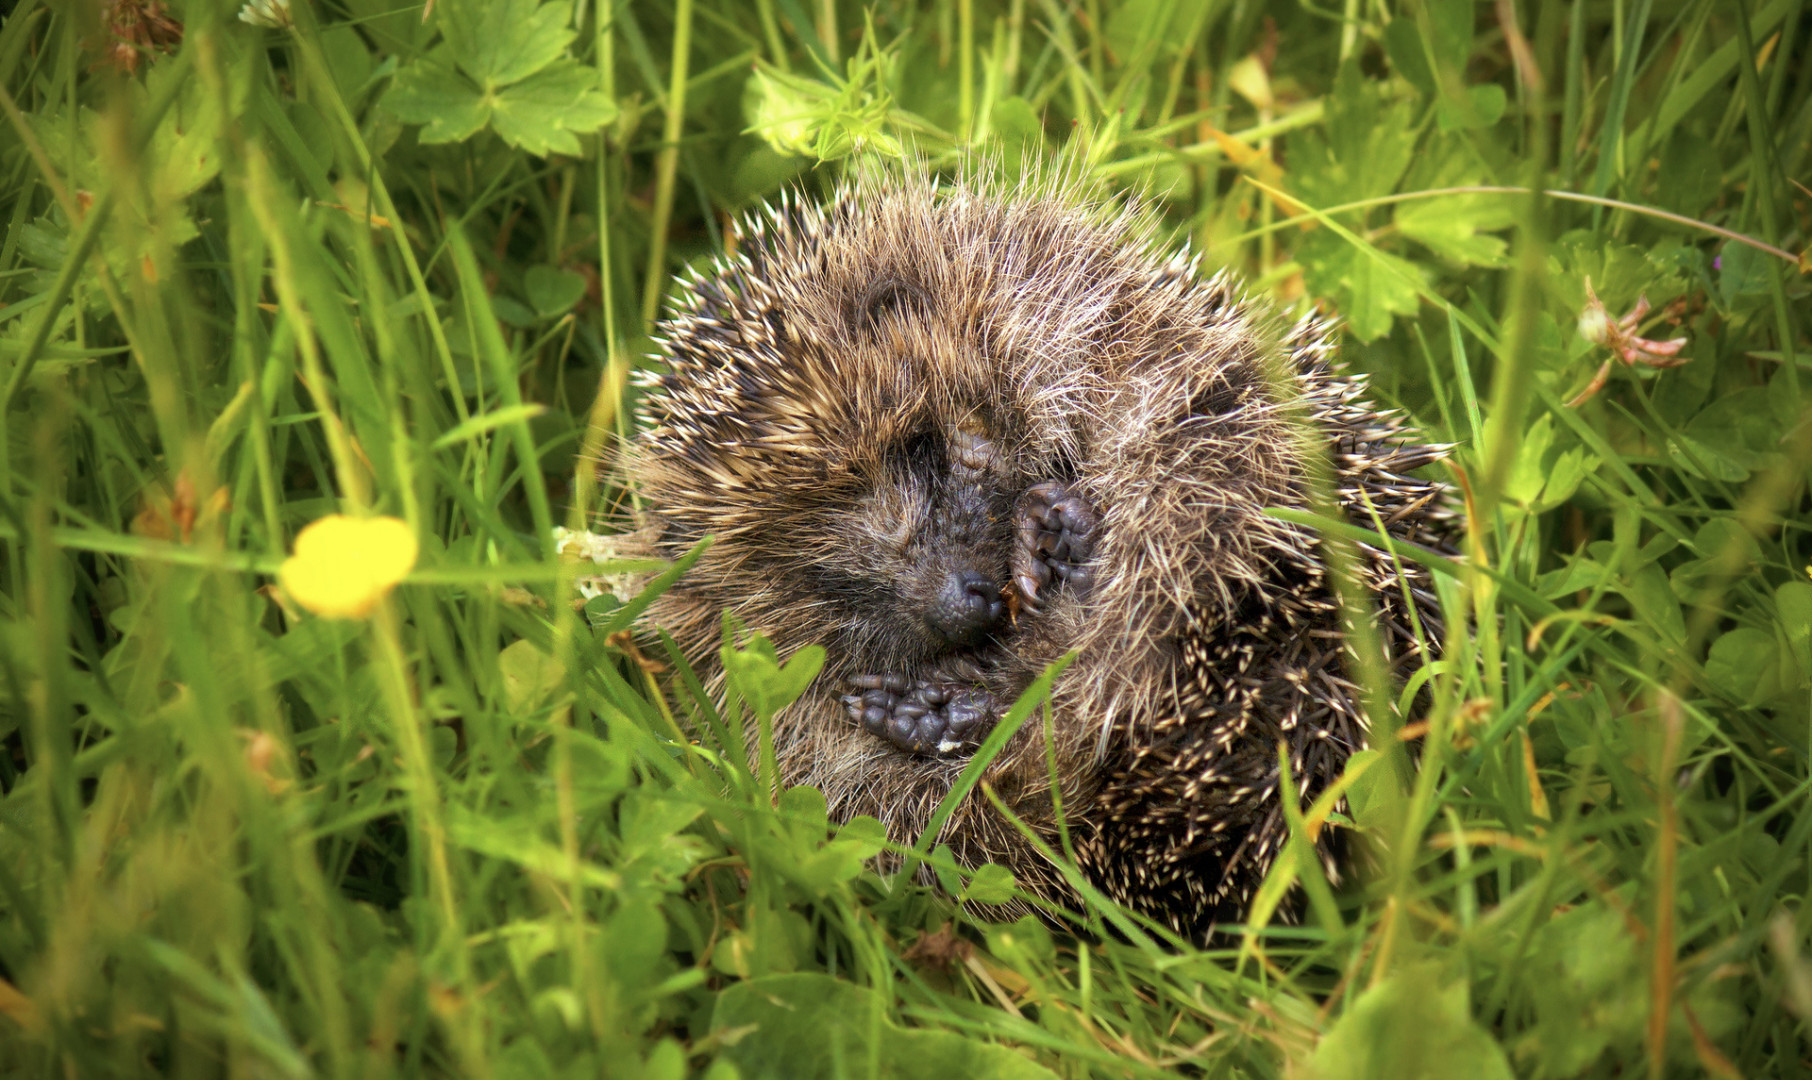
[{"x": 953, "y": 431}]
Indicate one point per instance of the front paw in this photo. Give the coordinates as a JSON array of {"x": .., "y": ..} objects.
[
  {"x": 1055, "y": 530},
  {"x": 932, "y": 719}
]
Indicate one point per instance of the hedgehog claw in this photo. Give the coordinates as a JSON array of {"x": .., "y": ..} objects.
[
  {"x": 930, "y": 719},
  {"x": 1055, "y": 532}
]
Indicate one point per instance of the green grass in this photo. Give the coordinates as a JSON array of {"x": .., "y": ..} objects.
[{"x": 243, "y": 290}]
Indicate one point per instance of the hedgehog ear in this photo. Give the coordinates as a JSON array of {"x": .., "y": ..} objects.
[{"x": 887, "y": 294}]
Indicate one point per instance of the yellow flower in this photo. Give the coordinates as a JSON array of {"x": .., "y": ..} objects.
[{"x": 343, "y": 566}]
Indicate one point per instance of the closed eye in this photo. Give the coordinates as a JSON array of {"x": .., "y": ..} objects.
[{"x": 920, "y": 455}]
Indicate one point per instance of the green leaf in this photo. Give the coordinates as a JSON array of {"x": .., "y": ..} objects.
[
  {"x": 511, "y": 74},
  {"x": 529, "y": 674},
  {"x": 809, "y": 1026},
  {"x": 499, "y": 42},
  {"x": 440, "y": 99},
  {"x": 1482, "y": 106},
  {"x": 543, "y": 113},
  {"x": 1017, "y": 126},
  {"x": 551, "y": 291},
  {"x": 991, "y": 884},
  {"x": 1657, "y": 608},
  {"x": 1733, "y": 434},
  {"x": 1450, "y": 22},
  {"x": 1371, "y": 286},
  {"x": 1409, "y": 1027},
  {"x": 783, "y": 108},
  {"x": 1368, "y": 796},
  {"x": 1593, "y": 995},
  {"x": 1452, "y": 227},
  {"x": 632, "y": 945},
  {"x": 1793, "y": 604},
  {"x": 1690, "y": 174},
  {"x": 1742, "y": 271},
  {"x": 763, "y": 681},
  {"x": 1370, "y": 139},
  {"x": 1744, "y": 665}
]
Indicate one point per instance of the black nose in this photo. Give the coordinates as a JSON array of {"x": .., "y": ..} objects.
[{"x": 966, "y": 607}]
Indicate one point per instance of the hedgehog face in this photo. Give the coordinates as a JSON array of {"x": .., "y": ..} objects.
[
  {"x": 917, "y": 561},
  {"x": 893, "y": 551},
  {"x": 847, "y": 451}
]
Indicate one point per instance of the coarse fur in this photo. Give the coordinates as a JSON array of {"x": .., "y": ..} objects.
[{"x": 854, "y": 403}]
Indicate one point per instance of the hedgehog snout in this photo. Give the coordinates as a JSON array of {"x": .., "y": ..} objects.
[{"x": 966, "y": 607}]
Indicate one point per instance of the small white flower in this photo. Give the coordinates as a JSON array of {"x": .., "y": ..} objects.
[
  {"x": 270, "y": 14},
  {"x": 579, "y": 544}
]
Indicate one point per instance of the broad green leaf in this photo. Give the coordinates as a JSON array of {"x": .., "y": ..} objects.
[
  {"x": 632, "y": 947},
  {"x": 1657, "y": 608},
  {"x": 814, "y": 1026},
  {"x": 1409, "y": 1027},
  {"x": 1528, "y": 473},
  {"x": 1025, "y": 943},
  {"x": 440, "y": 99},
  {"x": 499, "y": 42},
  {"x": 805, "y": 813},
  {"x": 1690, "y": 174},
  {"x": 1453, "y": 227},
  {"x": 1370, "y": 138},
  {"x": 763, "y": 681},
  {"x": 1450, "y": 22},
  {"x": 529, "y": 674},
  {"x": 1742, "y": 271},
  {"x": 991, "y": 884},
  {"x": 502, "y": 64},
  {"x": 1370, "y": 286},
  {"x": 782, "y": 108},
  {"x": 552, "y": 291},
  {"x": 1744, "y": 664},
  {"x": 1734, "y": 434},
  {"x": 1590, "y": 971},
  {"x": 543, "y": 113},
  {"x": 1481, "y": 107},
  {"x": 1793, "y": 604}
]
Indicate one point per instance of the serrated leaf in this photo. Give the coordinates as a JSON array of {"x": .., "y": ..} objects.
[
  {"x": 541, "y": 114},
  {"x": 500, "y": 42},
  {"x": 1371, "y": 286},
  {"x": 1372, "y": 139},
  {"x": 1454, "y": 227},
  {"x": 446, "y": 105},
  {"x": 502, "y": 65}
]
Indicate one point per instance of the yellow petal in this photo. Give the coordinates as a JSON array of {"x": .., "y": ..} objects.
[{"x": 344, "y": 565}]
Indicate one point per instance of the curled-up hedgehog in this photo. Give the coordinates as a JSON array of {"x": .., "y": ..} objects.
[{"x": 953, "y": 433}]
